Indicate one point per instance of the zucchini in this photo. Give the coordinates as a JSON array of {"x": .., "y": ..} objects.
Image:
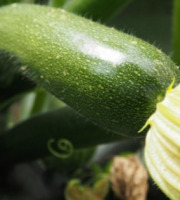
[{"x": 112, "y": 78}]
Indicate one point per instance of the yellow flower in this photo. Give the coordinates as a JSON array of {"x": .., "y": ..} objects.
[{"x": 162, "y": 148}]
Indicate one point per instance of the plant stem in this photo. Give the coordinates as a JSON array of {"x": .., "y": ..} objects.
[
  {"x": 98, "y": 10},
  {"x": 57, "y": 3},
  {"x": 176, "y": 32},
  {"x": 41, "y": 102}
]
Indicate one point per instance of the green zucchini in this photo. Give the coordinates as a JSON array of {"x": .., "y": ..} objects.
[{"x": 112, "y": 78}]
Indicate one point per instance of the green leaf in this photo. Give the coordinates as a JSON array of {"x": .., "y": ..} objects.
[
  {"x": 98, "y": 10},
  {"x": 29, "y": 140},
  {"x": 57, "y": 3},
  {"x": 176, "y": 32}
]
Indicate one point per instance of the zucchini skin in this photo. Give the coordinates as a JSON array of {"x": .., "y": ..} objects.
[{"x": 110, "y": 77}]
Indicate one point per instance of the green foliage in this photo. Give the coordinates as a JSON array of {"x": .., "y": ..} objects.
[
  {"x": 4, "y": 2},
  {"x": 72, "y": 166},
  {"x": 76, "y": 191},
  {"x": 176, "y": 32},
  {"x": 112, "y": 78},
  {"x": 57, "y": 3},
  {"x": 33, "y": 135},
  {"x": 97, "y": 10}
]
